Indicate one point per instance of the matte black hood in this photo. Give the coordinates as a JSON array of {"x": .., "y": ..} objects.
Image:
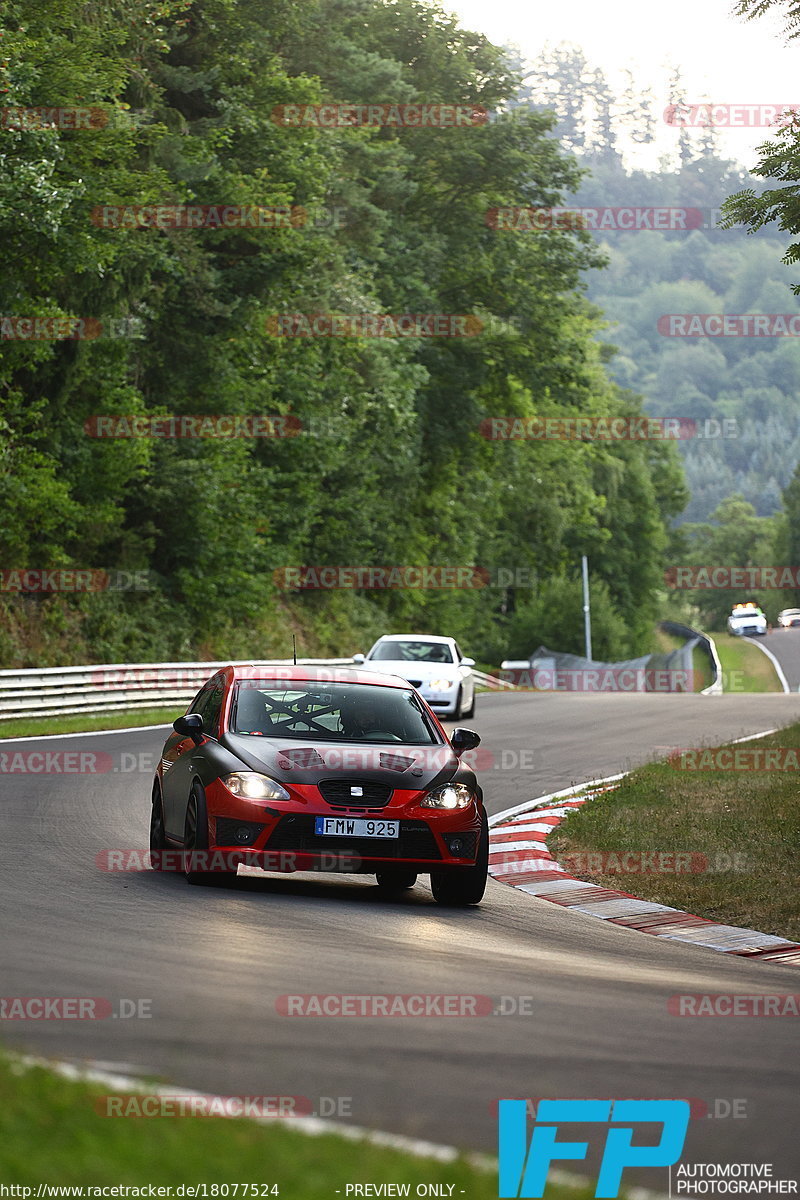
[{"x": 290, "y": 761}]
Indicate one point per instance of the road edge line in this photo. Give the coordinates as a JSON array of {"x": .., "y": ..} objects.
[{"x": 782, "y": 680}]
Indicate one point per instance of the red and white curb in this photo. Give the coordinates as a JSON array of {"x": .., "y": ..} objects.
[{"x": 518, "y": 856}]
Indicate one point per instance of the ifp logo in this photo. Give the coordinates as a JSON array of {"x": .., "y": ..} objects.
[{"x": 523, "y": 1170}]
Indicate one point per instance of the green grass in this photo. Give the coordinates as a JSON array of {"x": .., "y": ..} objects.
[
  {"x": 663, "y": 643},
  {"x": 745, "y": 668},
  {"x": 701, "y": 669},
  {"x": 87, "y": 722},
  {"x": 50, "y": 1132},
  {"x": 754, "y": 814}
]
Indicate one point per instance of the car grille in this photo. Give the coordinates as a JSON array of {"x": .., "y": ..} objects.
[
  {"x": 336, "y": 792},
  {"x": 415, "y": 682},
  {"x": 297, "y": 833}
]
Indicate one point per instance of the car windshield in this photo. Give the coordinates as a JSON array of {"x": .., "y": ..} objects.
[
  {"x": 413, "y": 651},
  {"x": 331, "y": 712}
]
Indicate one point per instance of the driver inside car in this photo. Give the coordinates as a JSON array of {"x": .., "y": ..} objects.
[{"x": 361, "y": 717}]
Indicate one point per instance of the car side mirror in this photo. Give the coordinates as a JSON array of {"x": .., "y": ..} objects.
[
  {"x": 468, "y": 662},
  {"x": 358, "y": 658},
  {"x": 190, "y": 725},
  {"x": 464, "y": 739}
]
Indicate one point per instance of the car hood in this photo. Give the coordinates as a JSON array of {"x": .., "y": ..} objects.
[
  {"x": 412, "y": 670},
  {"x": 291, "y": 761}
]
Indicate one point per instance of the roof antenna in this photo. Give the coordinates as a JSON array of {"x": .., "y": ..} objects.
[{"x": 294, "y": 649}]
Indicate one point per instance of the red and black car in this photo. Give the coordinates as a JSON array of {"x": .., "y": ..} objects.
[{"x": 309, "y": 769}]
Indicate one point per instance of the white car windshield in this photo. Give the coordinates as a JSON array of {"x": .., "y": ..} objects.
[{"x": 413, "y": 651}]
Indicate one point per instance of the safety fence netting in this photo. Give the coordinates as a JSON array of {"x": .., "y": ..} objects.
[{"x": 552, "y": 671}]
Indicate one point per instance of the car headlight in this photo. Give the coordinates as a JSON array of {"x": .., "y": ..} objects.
[
  {"x": 441, "y": 685},
  {"x": 452, "y": 795},
  {"x": 252, "y": 786}
]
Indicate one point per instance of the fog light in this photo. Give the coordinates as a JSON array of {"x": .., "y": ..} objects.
[
  {"x": 231, "y": 832},
  {"x": 460, "y": 845}
]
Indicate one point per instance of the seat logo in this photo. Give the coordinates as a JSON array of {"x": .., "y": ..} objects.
[
  {"x": 356, "y": 791},
  {"x": 524, "y": 1169}
]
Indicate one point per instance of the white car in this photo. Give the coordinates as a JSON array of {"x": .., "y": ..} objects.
[
  {"x": 788, "y": 618},
  {"x": 746, "y": 620},
  {"x": 433, "y": 665}
]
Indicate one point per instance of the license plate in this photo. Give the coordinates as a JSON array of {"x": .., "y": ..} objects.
[{"x": 355, "y": 827}]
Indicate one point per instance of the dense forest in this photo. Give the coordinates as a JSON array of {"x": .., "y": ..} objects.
[
  {"x": 386, "y": 464},
  {"x": 750, "y": 381}
]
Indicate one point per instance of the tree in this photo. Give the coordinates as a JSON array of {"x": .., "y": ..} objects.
[
  {"x": 734, "y": 537},
  {"x": 757, "y": 8},
  {"x": 780, "y": 157}
]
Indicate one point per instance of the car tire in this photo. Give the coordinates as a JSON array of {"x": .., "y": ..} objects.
[
  {"x": 459, "y": 888},
  {"x": 396, "y": 880},
  {"x": 471, "y": 710},
  {"x": 195, "y": 837},
  {"x": 158, "y": 834}
]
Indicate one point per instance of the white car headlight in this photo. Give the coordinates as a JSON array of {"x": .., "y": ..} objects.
[
  {"x": 252, "y": 786},
  {"x": 440, "y": 685},
  {"x": 452, "y": 795}
]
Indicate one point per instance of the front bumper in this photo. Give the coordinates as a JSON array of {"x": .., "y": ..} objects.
[
  {"x": 283, "y": 837},
  {"x": 443, "y": 703}
]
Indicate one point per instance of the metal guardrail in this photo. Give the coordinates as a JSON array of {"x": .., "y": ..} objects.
[
  {"x": 706, "y": 643},
  {"x": 54, "y": 691}
]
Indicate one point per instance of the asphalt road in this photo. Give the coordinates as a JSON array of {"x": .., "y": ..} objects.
[
  {"x": 784, "y": 644},
  {"x": 213, "y": 962}
]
